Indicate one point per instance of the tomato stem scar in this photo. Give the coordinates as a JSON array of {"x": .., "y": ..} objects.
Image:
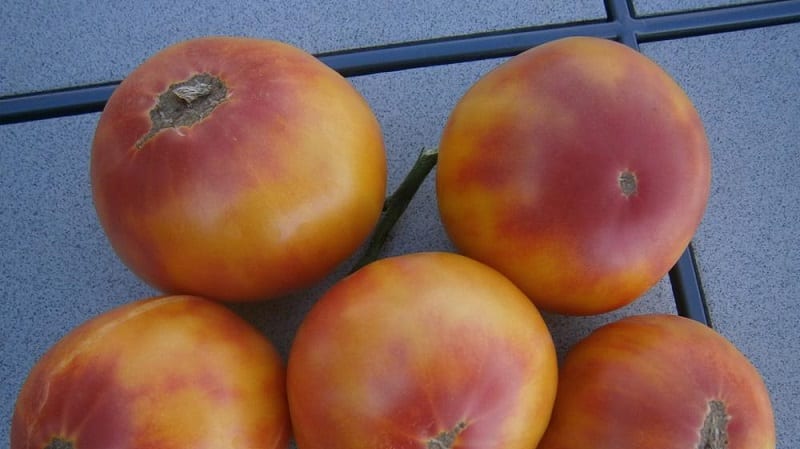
[
  {"x": 396, "y": 204},
  {"x": 185, "y": 103},
  {"x": 446, "y": 440},
  {"x": 628, "y": 183},
  {"x": 714, "y": 434}
]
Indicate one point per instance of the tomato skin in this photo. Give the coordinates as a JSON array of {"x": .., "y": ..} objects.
[
  {"x": 173, "y": 372},
  {"x": 647, "y": 381},
  {"x": 529, "y": 171},
  {"x": 414, "y": 346},
  {"x": 280, "y": 183}
]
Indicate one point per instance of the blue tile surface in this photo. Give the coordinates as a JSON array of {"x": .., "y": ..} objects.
[
  {"x": 58, "y": 44},
  {"x": 57, "y": 270},
  {"x": 650, "y": 7}
]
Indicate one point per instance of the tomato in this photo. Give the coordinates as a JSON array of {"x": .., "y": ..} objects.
[
  {"x": 169, "y": 373},
  {"x": 236, "y": 169},
  {"x": 579, "y": 169},
  {"x": 659, "y": 381},
  {"x": 424, "y": 350}
]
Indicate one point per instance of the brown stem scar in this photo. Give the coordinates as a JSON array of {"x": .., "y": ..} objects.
[
  {"x": 628, "y": 183},
  {"x": 185, "y": 103},
  {"x": 714, "y": 434},
  {"x": 446, "y": 440}
]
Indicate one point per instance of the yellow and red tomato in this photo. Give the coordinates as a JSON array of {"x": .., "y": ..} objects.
[
  {"x": 171, "y": 372},
  {"x": 236, "y": 169},
  {"x": 659, "y": 381},
  {"x": 427, "y": 350},
  {"x": 579, "y": 169}
]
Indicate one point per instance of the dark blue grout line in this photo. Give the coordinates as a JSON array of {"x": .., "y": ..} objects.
[
  {"x": 622, "y": 25},
  {"x": 717, "y": 20},
  {"x": 458, "y": 49},
  {"x": 690, "y": 298},
  {"x": 55, "y": 103},
  {"x": 622, "y": 13},
  {"x": 365, "y": 61}
]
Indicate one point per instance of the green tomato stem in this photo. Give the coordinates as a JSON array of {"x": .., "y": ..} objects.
[{"x": 396, "y": 204}]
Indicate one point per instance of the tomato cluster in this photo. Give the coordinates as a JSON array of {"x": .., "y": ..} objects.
[{"x": 570, "y": 179}]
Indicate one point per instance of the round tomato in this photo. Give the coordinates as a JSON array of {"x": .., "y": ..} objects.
[
  {"x": 659, "y": 381},
  {"x": 579, "y": 169},
  {"x": 428, "y": 350},
  {"x": 236, "y": 169},
  {"x": 174, "y": 372}
]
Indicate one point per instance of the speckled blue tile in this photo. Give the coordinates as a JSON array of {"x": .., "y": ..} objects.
[
  {"x": 57, "y": 44},
  {"x": 57, "y": 270},
  {"x": 651, "y": 7},
  {"x": 745, "y": 86}
]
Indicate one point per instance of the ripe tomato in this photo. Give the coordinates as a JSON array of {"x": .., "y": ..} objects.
[
  {"x": 169, "y": 373},
  {"x": 429, "y": 350},
  {"x": 579, "y": 169},
  {"x": 659, "y": 381},
  {"x": 236, "y": 169}
]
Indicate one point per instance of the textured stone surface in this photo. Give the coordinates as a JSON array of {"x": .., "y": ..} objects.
[
  {"x": 57, "y": 270},
  {"x": 650, "y": 7},
  {"x": 58, "y": 44}
]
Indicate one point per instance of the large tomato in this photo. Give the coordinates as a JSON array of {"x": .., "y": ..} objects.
[
  {"x": 163, "y": 373},
  {"x": 579, "y": 169},
  {"x": 429, "y": 350},
  {"x": 236, "y": 169},
  {"x": 659, "y": 381}
]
